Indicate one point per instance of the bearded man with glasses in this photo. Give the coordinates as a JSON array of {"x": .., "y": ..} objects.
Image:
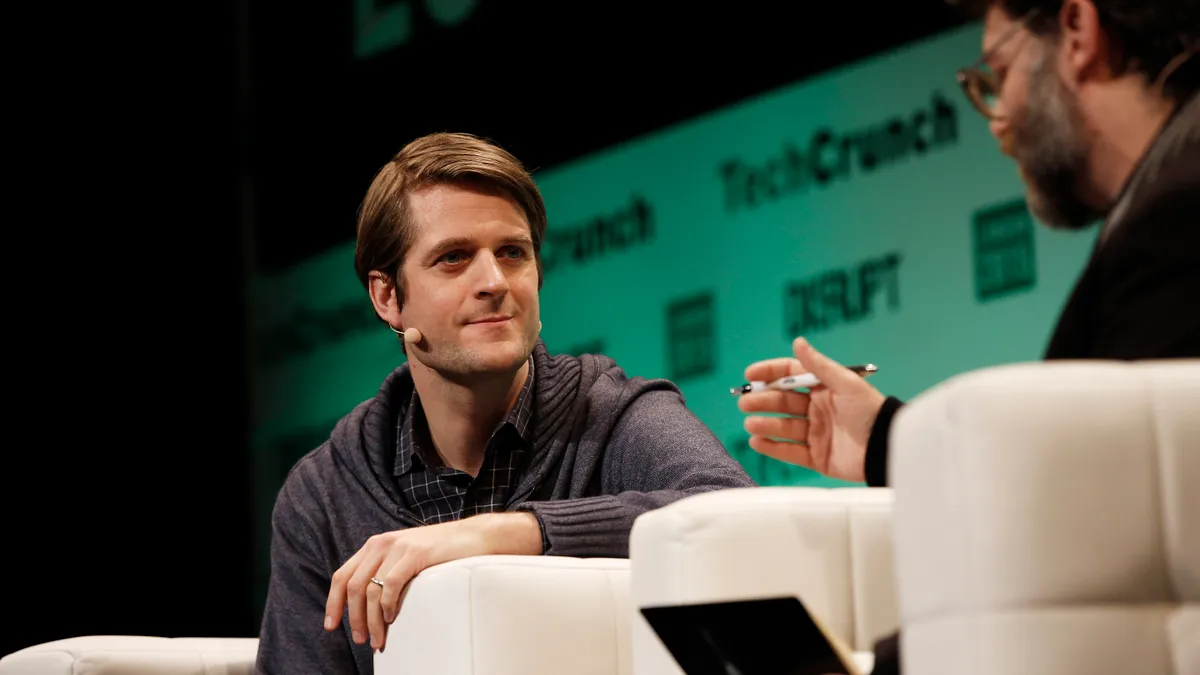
[{"x": 1095, "y": 101}]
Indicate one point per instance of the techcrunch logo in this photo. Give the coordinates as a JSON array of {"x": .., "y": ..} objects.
[
  {"x": 830, "y": 155},
  {"x": 599, "y": 236}
]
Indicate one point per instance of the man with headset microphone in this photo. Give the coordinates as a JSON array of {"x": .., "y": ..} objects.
[
  {"x": 483, "y": 442},
  {"x": 1096, "y": 102}
]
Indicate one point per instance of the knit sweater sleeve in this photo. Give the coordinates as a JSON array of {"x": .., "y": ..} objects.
[
  {"x": 291, "y": 637},
  {"x": 658, "y": 452}
]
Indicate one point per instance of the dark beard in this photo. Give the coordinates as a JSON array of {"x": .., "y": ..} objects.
[{"x": 1050, "y": 147}]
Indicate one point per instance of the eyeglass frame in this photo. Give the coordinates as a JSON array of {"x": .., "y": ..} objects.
[{"x": 973, "y": 74}]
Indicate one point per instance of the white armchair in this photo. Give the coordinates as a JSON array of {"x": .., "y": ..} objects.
[{"x": 1048, "y": 521}]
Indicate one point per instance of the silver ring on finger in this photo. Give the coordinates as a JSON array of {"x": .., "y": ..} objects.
[{"x": 376, "y": 581}]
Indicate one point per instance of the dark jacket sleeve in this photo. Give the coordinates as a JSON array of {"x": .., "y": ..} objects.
[
  {"x": 292, "y": 638},
  {"x": 887, "y": 649},
  {"x": 658, "y": 452},
  {"x": 1148, "y": 307},
  {"x": 876, "y": 464}
]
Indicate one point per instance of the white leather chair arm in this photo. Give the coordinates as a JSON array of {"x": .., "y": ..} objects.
[
  {"x": 513, "y": 615},
  {"x": 134, "y": 655},
  {"x": 831, "y": 547}
]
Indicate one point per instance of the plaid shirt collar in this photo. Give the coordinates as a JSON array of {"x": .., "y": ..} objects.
[{"x": 407, "y": 446}]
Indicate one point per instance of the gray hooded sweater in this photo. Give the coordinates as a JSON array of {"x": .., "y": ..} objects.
[{"x": 606, "y": 448}]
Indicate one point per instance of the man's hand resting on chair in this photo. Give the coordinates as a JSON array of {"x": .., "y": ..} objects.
[
  {"x": 826, "y": 429},
  {"x": 394, "y": 558}
]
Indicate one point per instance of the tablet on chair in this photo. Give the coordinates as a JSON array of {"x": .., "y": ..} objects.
[{"x": 775, "y": 636}]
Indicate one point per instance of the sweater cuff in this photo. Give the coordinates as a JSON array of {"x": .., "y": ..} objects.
[
  {"x": 586, "y": 527},
  {"x": 876, "y": 462}
]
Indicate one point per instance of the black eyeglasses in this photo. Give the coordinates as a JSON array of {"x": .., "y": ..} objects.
[{"x": 979, "y": 83}]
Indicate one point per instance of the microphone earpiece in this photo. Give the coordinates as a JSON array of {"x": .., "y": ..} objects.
[{"x": 410, "y": 336}]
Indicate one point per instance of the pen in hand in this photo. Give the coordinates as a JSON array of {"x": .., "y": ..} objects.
[{"x": 803, "y": 381}]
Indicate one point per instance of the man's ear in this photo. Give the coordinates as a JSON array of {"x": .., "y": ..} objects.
[
  {"x": 1083, "y": 44},
  {"x": 385, "y": 298}
]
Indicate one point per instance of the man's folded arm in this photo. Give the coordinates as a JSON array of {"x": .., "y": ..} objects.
[{"x": 659, "y": 452}]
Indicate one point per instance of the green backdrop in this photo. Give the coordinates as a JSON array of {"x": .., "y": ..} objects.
[{"x": 867, "y": 209}]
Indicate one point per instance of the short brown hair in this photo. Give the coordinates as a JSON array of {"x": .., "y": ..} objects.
[{"x": 386, "y": 229}]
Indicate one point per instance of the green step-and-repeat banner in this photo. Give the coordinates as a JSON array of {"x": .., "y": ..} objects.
[{"x": 867, "y": 209}]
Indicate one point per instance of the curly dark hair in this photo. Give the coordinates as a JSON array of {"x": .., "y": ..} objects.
[{"x": 1148, "y": 35}]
